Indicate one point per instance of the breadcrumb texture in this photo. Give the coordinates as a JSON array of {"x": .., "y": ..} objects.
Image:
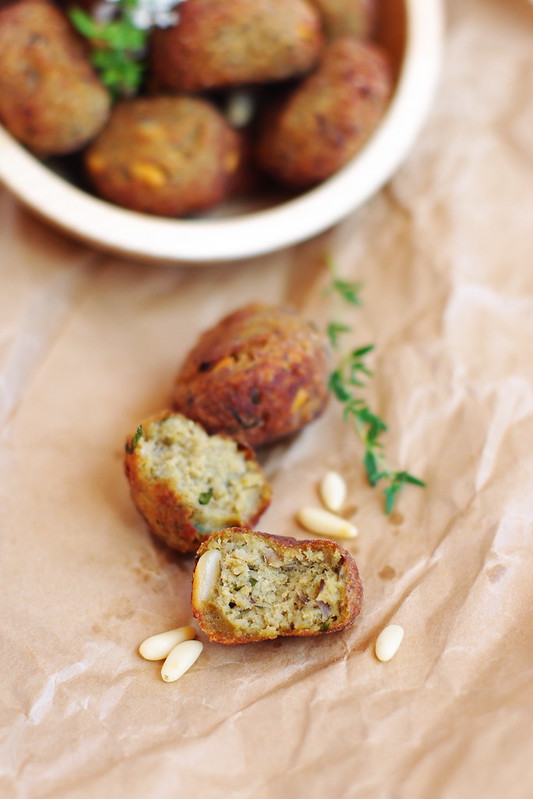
[
  {"x": 169, "y": 156},
  {"x": 271, "y": 586},
  {"x": 50, "y": 97},
  {"x": 327, "y": 118},
  {"x": 354, "y": 17},
  {"x": 260, "y": 374},
  {"x": 188, "y": 484},
  {"x": 217, "y": 44}
]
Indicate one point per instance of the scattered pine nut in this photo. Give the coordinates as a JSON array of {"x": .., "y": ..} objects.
[
  {"x": 323, "y": 522},
  {"x": 206, "y": 574},
  {"x": 180, "y": 660},
  {"x": 388, "y": 642},
  {"x": 157, "y": 647},
  {"x": 332, "y": 491}
]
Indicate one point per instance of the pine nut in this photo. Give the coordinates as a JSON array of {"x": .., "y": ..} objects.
[
  {"x": 324, "y": 522},
  {"x": 157, "y": 647},
  {"x": 300, "y": 398},
  {"x": 205, "y": 576},
  {"x": 240, "y": 108},
  {"x": 332, "y": 491},
  {"x": 180, "y": 660},
  {"x": 150, "y": 174},
  {"x": 388, "y": 642}
]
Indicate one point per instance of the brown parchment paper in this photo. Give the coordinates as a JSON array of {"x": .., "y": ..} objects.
[{"x": 89, "y": 345}]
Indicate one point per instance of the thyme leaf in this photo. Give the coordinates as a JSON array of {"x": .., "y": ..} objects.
[
  {"x": 205, "y": 497},
  {"x": 130, "y": 446},
  {"x": 345, "y": 383},
  {"x": 348, "y": 290},
  {"x": 117, "y": 47},
  {"x": 334, "y": 329}
]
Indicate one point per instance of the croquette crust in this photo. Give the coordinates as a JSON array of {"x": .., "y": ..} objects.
[
  {"x": 348, "y": 17},
  {"x": 322, "y": 123},
  {"x": 260, "y": 374},
  {"x": 168, "y": 514},
  {"x": 169, "y": 156},
  {"x": 228, "y": 44},
  {"x": 50, "y": 97},
  {"x": 219, "y": 629}
]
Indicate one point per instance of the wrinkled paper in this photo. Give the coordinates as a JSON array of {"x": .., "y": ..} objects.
[{"x": 90, "y": 344}]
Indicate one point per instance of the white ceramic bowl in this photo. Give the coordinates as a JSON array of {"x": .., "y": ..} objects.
[{"x": 413, "y": 28}]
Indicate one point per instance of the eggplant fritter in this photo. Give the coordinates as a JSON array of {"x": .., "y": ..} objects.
[
  {"x": 250, "y": 587},
  {"x": 170, "y": 156},
  {"x": 260, "y": 374},
  {"x": 188, "y": 484},
  {"x": 50, "y": 97},
  {"x": 322, "y": 123},
  {"x": 218, "y": 44}
]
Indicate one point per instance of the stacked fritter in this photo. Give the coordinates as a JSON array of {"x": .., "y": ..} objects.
[
  {"x": 309, "y": 67},
  {"x": 258, "y": 375}
]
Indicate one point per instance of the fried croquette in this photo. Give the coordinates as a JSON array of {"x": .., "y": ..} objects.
[
  {"x": 321, "y": 124},
  {"x": 260, "y": 374},
  {"x": 169, "y": 156},
  {"x": 187, "y": 484},
  {"x": 50, "y": 97},
  {"x": 250, "y": 587},
  {"x": 218, "y": 44}
]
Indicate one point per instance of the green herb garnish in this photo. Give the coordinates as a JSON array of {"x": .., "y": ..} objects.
[
  {"x": 344, "y": 383},
  {"x": 334, "y": 329},
  {"x": 205, "y": 496},
  {"x": 252, "y": 581},
  {"x": 397, "y": 481},
  {"x": 130, "y": 448},
  {"x": 348, "y": 290},
  {"x": 117, "y": 47},
  {"x": 324, "y": 627}
]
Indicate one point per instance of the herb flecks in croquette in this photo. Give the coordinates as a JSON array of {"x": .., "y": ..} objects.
[
  {"x": 205, "y": 496},
  {"x": 269, "y": 586},
  {"x": 130, "y": 446},
  {"x": 187, "y": 483}
]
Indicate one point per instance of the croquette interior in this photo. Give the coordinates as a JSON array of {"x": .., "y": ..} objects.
[
  {"x": 273, "y": 590},
  {"x": 210, "y": 474}
]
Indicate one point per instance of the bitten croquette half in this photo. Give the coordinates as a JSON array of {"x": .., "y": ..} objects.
[
  {"x": 250, "y": 586},
  {"x": 188, "y": 484}
]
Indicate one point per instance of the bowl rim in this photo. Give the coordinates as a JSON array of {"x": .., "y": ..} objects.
[{"x": 205, "y": 241}]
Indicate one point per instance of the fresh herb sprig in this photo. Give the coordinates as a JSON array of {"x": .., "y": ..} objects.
[
  {"x": 344, "y": 383},
  {"x": 117, "y": 47}
]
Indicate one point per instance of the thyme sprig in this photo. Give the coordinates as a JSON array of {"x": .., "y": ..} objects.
[
  {"x": 345, "y": 383},
  {"x": 117, "y": 47}
]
